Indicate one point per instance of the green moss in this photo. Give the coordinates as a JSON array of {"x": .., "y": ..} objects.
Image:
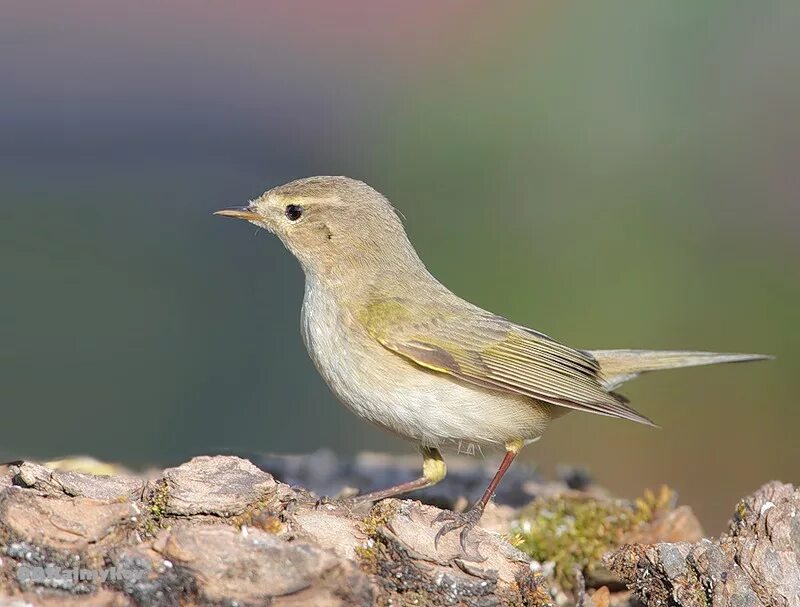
[
  {"x": 158, "y": 500},
  {"x": 701, "y": 596},
  {"x": 741, "y": 510},
  {"x": 574, "y": 532},
  {"x": 377, "y": 517},
  {"x": 367, "y": 555},
  {"x": 262, "y": 515},
  {"x": 156, "y": 508},
  {"x": 370, "y": 524}
]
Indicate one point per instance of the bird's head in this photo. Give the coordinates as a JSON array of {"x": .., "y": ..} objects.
[{"x": 333, "y": 225}]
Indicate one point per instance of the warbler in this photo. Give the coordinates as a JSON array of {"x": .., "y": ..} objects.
[{"x": 405, "y": 353}]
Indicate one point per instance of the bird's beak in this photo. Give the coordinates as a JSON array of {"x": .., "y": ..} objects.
[{"x": 240, "y": 213}]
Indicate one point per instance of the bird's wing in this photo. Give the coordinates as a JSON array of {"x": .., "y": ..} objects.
[{"x": 490, "y": 351}]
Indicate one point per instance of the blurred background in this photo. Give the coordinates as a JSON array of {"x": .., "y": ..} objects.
[{"x": 613, "y": 174}]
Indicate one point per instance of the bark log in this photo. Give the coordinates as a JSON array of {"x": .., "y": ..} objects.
[{"x": 223, "y": 531}]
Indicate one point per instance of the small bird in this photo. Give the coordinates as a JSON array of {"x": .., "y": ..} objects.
[{"x": 405, "y": 353}]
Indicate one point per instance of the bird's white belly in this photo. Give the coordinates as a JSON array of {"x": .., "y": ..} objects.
[{"x": 427, "y": 407}]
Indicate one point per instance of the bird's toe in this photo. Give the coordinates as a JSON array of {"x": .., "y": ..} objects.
[{"x": 466, "y": 521}]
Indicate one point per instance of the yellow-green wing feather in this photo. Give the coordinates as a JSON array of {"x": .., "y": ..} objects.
[{"x": 490, "y": 351}]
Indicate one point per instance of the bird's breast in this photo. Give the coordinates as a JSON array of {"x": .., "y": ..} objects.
[{"x": 359, "y": 371}]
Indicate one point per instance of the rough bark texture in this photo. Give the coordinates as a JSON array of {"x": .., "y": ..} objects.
[
  {"x": 223, "y": 531},
  {"x": 756, "y": 562}
]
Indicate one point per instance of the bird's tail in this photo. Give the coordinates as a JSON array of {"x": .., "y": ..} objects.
[{"x": 619, "y": 366}]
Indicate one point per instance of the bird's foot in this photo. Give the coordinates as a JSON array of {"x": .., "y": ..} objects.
[{"x": 466, "y": 521}]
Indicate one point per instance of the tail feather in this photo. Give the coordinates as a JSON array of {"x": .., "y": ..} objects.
[{"x": 619, "y": 366}]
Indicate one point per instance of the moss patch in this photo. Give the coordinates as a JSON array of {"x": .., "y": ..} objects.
[
  {"x": 574, "y": 532},
  {"x": 156, "y": 508},
  {"x": 378, "y": 517},
  {"x": 261, "y": 515},
  {"x": 370, "y": 525}
]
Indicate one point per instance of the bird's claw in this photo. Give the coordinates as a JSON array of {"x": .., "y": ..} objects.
[{"x": 451, "y": 521}]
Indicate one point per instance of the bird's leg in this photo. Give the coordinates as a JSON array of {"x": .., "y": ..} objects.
[
  {"x": 466, "y": 521},
  {"x": 433, "y": 471}
]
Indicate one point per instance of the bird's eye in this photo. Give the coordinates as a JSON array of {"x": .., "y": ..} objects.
[{"x": 293, "y": 212}]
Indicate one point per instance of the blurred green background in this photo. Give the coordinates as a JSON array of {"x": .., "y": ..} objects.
[{"x": 615, "y": 174}]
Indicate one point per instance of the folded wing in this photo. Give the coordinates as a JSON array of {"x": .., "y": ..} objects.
[{"x": 488, "y": 350}]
